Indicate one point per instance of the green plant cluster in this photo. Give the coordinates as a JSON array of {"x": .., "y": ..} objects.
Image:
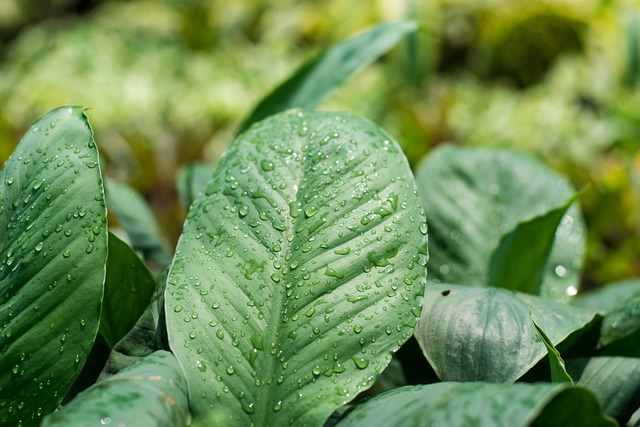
[
  {"x": 299, "y": 281},
  {"x": 173, "y": 80}
]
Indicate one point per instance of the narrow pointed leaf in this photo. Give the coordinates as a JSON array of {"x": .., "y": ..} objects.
[
  {"x": 316, "y": 79},
  {"x": 128, "y": 290},
  {"x": 471, "y": 333},
  {"x": 474, "y": 196},
  {"x": 481, "y": 404},
  {"x": 518, "y": 263},
  {"x": 299, "y": 272},
  {"x": 53, "y": 252},
  {"x": 137, "y": 221},
  {"x": 150, "y": 393},
  {"x": 615, "y": 380},
  {"x": 558, "y": 371}
]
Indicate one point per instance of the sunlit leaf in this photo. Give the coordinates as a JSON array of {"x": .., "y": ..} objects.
[
  {"x": 53, "y": 252},
  {"x": 299, "y": 272}
]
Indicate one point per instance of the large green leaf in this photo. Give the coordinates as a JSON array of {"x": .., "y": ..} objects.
[
  {"x": 139, "y": 224},
  {"x": 299, "y": 272},
  {"x": 316, "y": 79},
  {"x": 471, "y": 333},
  {"x": 615, "y": 380},
  {"x": 474, "y": 196},
  {"x": 53, "y": 252},
  {"x": 481, "y": 405},
  {"x": 128, "y": 290},
  {"x": 150, "y": 393}
]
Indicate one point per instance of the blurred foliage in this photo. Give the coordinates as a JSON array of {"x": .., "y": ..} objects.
[{"x": 171, "y": 80}]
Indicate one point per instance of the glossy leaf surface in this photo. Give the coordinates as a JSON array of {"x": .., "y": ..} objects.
[
  {"x": 150, "y": 393},
  {"x": 481, "y": 405},
  {"x": 471, "y": 333},
  {"x": 299, "y": 272},
  {"x": 475, "y": 196},
  {"x": 316, "y": 79},
  {"x": 53, "y": 252}
]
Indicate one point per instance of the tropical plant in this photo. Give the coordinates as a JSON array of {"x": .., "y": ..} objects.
[{"x": 300, "y": 272}]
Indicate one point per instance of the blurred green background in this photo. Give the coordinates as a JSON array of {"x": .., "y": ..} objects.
[{"x": 170, "y": 81}]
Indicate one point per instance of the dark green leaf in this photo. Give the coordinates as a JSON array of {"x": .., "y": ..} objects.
[
  {"x": 471, "y": 333},
  {"x": 620, "y": 333},
  {"x": 151, "y": 393},
  {"x": 615, "y": 380},
  {"x": 518, "y": 263},
  {"x": 474, "y": 196},
  {"x": 139, "y": 224},
  {"x": 191, "y": 180},
  {"x": 481, "y": 404},
  {"x": 53, "y": 249},
  {"x": 558, "y": 371},
  {"x": 146, "y": 336},
  {"x": 316, "y": 79},
  {"x": 299, "y": 272},
  {"x": 127, "y": 293}
]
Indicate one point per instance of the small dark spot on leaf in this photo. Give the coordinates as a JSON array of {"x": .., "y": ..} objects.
[{"x": 445, "y": 293}]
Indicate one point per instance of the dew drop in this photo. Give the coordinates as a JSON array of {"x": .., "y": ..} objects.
[
  {"x": 561, "y": 271},
  {"x": 423, "y": 228},
  {"x": 267, "y": 165},
  {"x": 310, "y": 211},
  {"x": 360, "y": 362},
  {"x": 332, "y": 273}
]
